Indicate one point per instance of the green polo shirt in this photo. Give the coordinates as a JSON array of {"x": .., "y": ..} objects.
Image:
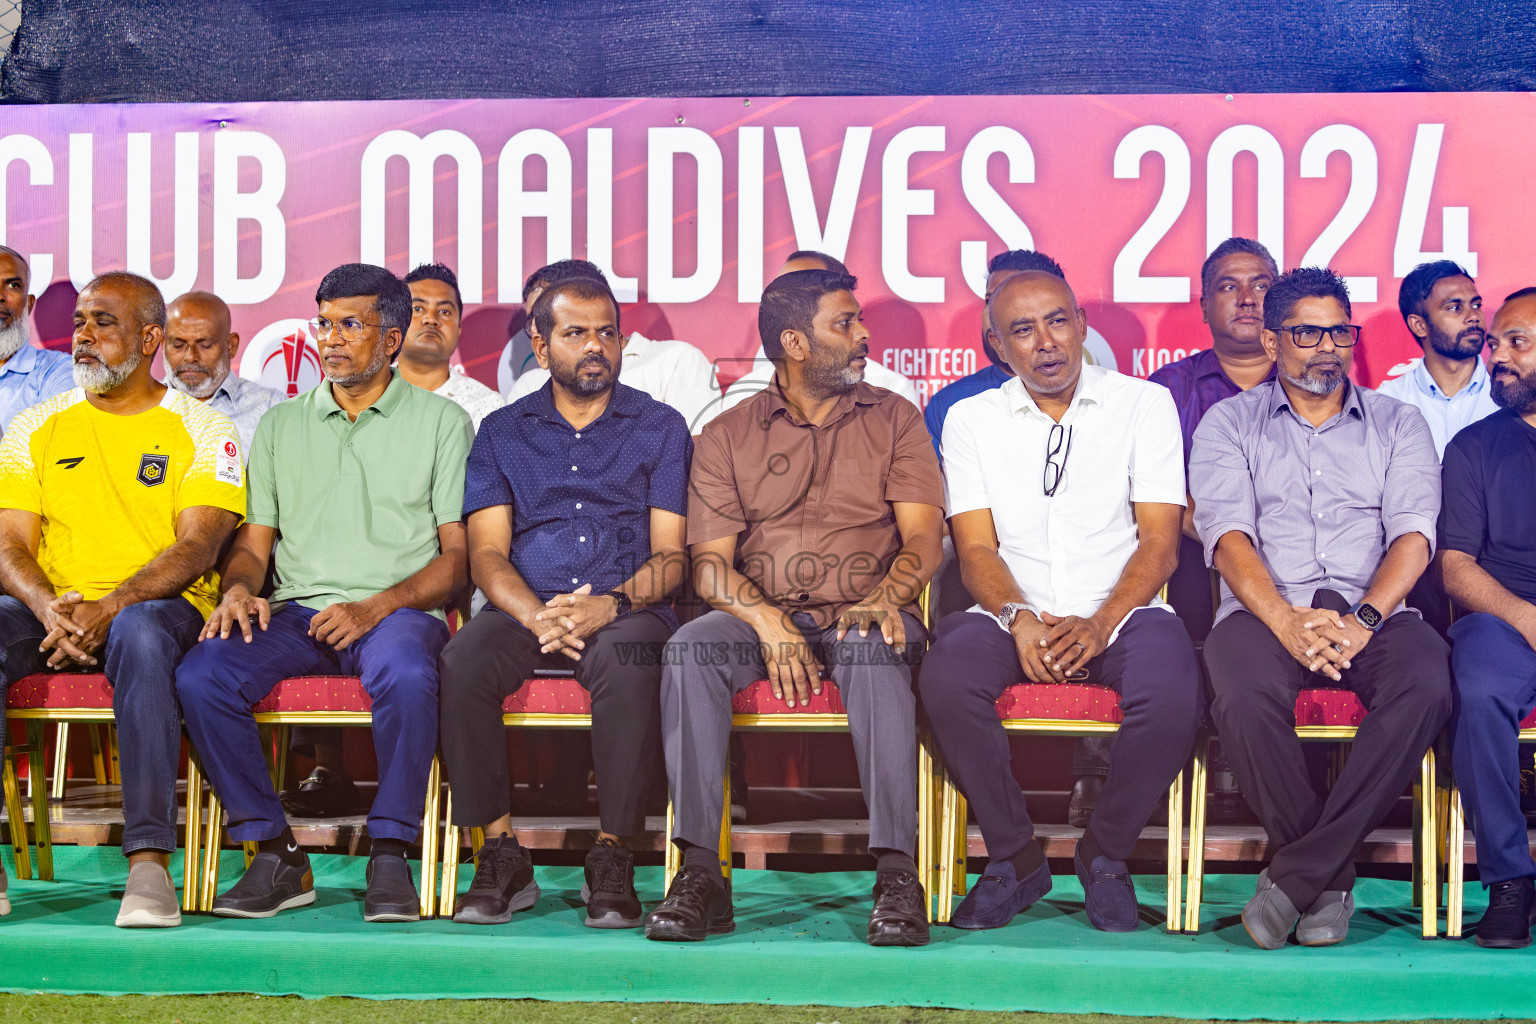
[{"x": 356, "y": 505}]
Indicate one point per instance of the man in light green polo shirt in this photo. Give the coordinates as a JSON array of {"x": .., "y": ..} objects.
[{"x": 357, "y": 489}]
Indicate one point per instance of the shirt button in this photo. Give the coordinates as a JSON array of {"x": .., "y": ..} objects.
[
  {"x": 573, "y": 579},
  {"x": 578, "y": 504},
  {"x": 1319, "y": 515},
  {"x": 578, "y": 433},
  {"x": 573, "y": 469},
  {"x": 582, "y": 539},
  {"x": 1317, "y": 472}
]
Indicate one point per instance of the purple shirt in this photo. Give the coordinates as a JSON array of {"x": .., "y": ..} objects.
[{"x": 1197, "y": 382}]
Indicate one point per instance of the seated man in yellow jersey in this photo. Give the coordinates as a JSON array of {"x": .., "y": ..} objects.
[{"x": 115, "y": 500}]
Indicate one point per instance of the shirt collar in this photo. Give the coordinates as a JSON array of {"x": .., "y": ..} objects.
[
  {"x": 636, "y": 346},
  {"x": 775, "y": 403},
  {"x": 23, "y": 361},
  {"x": 1089, "y": 391},
  {"x": 388, "y": 402},
  {"x": 229, "y": 386},
  {"x": 1426, "y": 384},
  {"x": 624, "y": 401},
  {"x": 1280, "y": 400},
  {"x": 1206, "y": 364}
]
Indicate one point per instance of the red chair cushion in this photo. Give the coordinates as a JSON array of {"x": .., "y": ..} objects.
[
  {"x": 1530, "y": 721},
  {"x": 60, "y": 690},
  {"x": 1328, "y": 707},
  {"x": 316, "y": 693},
  {"x": 758, "y": 699},
  {"x": 1061, "y": 701},
  {"x": 549, "y": 696}
]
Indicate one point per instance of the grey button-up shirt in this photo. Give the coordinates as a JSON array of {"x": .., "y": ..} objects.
[
  {"x": 1321, "y": 505},
  {"x": 244, "y": 401}
]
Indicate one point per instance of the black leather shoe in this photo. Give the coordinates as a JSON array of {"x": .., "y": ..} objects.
[
  {"x": 1085, "y": 797},
  {"x": 324, "y": 794},
  {"x": 1511, "y": 908},
  {"x": 698, "y": 904},
  {"x": 503, "y": 885},
  {"x": 391, "y": 894},
  {"x": 609, "y": 887},
  {"x": 900, "y": 917},
  {"x": 268, "y": 886}
]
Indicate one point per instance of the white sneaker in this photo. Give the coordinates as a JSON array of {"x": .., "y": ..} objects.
[{"x": 149, "y": 900}]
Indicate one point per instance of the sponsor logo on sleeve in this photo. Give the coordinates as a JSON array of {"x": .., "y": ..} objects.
[{"x": 227, "y": 466}]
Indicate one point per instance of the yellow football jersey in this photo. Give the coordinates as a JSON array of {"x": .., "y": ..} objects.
[{"x": 109, "y": 487}]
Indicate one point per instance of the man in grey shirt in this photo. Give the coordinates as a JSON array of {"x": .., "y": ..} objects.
[
  {"x": 198, "y": 347},
  {"x": 1316, "y": 501}
]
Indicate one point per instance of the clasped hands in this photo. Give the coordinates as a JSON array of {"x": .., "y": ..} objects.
[
  {"x": 77, "y": 628},
  {"x": 1322, "y": 640},
  {"x": 1053, "y": 647},
  {"x": 568, "y": 619}
]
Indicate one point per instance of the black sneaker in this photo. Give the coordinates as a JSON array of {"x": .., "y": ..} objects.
[
  {"x": 503, "y": 885},
  {"x": 900, "y": 917},
  {"x": 323, "y": 794},
  {"x": 698, "y": 904},
  {"x": 269, "y": 885},
  {"x": 391, "y": 894},
  {"x": 1511, "y": 909},
  {"x": 609, "y": 887}
]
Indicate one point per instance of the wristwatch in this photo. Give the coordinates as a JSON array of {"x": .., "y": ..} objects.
[
  {"x": 625, "y": 605},
  {"x": 1010, "y": 611},
  {"x": 1367, "y": 616}
]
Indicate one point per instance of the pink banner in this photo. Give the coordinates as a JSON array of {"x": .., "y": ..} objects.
[{"x": 692, "y": 204}]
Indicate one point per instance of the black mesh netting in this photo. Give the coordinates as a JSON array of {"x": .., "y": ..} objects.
[{"x": 73, "y": 51}]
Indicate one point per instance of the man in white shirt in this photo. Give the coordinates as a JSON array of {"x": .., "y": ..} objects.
[
  {"x": 198, "y": 347},
  {"x": 761, "y": 373},
  {"x": 1450, "y": 386},
  {"x": 437, "y": 313},
  {"x": 1065, "y": 491}
]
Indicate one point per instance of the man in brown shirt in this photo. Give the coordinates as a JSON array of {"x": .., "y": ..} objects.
[{"x": 814, "y": 520}]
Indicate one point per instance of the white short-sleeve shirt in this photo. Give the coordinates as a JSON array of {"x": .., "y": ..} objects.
[{"x": 1067, "y": 551}]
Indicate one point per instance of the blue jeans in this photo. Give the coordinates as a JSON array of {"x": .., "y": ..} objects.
[
  {"x": 143, "y": 645},
  {"x": 219, "y": 681},
  {"x": 1494, "y": 670}
]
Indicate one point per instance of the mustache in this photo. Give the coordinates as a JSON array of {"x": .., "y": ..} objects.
[
  {"x": 862, "y": 352},
  {"x": 595, "y": 359}
]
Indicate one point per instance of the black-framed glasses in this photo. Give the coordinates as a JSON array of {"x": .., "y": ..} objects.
[
  {"x": 1311, "y": 335},
  {"x": 351, "y": 328},
  {"x": 1058, "y": 445}
]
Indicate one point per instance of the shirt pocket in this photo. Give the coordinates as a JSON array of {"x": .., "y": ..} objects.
[{"x": 856, "y": 491}]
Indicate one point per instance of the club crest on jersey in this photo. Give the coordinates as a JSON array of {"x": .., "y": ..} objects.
[{"x": 152, "y": 469}]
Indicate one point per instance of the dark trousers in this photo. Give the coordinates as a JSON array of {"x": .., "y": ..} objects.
[
  {"x": 1151, "y": 664},
  {"x": 489, "y": 660},
  {"x": 139, "y": 659},
  {"x": 1190, "y": 590},
  {"x": 1495, "y": 673},
  {"x": 1404, "y": 680},
  {"x": 219, "y": 681},
  {"x": 717, "y": 655}
]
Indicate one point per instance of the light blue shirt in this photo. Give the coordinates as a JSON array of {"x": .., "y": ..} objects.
[
  {"x": 1446, "y": 415},
  {"x": 30, "y": 376},
  {"x": 244, "y": 401}
]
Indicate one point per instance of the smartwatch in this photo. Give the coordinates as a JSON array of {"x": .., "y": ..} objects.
[
  {"x": 1009, "y": 612},
  {"x": 1367, "y": 616},
  {"x": 624, "y": 604}
]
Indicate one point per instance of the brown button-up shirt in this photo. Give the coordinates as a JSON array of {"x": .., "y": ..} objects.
[{"x": 811, "y": 505}]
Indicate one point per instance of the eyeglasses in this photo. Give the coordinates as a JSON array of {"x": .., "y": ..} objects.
[
  {"x": 1055, "y": 468},
  {"x": 1311, "y": 335},
  {"x": 351, "y": 328}
]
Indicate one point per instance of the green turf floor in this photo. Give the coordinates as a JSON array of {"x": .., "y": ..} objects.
[{"x": 798, "y": 941}]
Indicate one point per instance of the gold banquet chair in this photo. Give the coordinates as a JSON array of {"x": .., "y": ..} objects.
[
  {"x": 301, "y": 700},
  {"x": 1046, "y": 709},
  {"x": 756, "y": 709},
  {"x": 1328, "y": 715}
]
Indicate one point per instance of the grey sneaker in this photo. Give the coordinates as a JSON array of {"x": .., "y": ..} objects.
[
  {"x": 1326, "y": 921},
  {"x": 149, "y": 900},
  {"x": 5, "y": 900},
  {"x": 1270, "y": 915}
]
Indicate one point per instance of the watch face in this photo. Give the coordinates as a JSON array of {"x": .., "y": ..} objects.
[{"x": 1369, "y": 617}]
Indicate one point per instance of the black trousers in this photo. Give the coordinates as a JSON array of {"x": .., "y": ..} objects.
[
  {"x": 1403, "y": 678},
  {"x": 1151, "y": 665},
  {"x": 489, "y": 660}
]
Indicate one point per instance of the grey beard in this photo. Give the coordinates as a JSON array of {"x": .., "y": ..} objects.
[
  {"x": 101, "y": 378},
  {"x": 380, "y": 357},
  {"x": 12, "y": 339},
  {"x": 1317, "y": 384},
  {"x": 203, "y": 392}
]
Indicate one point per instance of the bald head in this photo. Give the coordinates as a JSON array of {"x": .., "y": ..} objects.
[
  {"x": 198, "y": 344},
  {"x": 1036, "y": 325}
]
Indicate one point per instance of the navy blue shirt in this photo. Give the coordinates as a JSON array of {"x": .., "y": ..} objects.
[
  {"x": 580, "y": 500},
  {"x": 1489, "y": 487},
  {"x": 985, "y": 379}
]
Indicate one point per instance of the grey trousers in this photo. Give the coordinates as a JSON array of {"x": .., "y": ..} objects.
[{"x": 715, "y": 656}]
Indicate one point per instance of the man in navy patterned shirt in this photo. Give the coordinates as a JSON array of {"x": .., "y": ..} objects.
[{"x": 575, "y": 498}]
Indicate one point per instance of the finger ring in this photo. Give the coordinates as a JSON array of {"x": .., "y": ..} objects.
[
  {"x": 1339, "y": 648},
  {"x": 1079, "y": 644}
]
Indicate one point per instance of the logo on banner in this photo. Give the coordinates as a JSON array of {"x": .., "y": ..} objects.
[{"x": 283, "y": 356}]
